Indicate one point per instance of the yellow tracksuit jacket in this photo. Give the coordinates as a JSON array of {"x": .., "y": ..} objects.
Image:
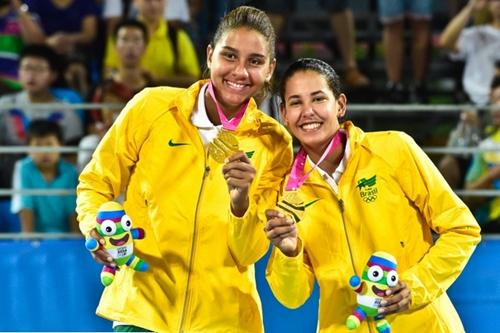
[
  {"x": 395, "y": 214},
  {"x": 201, "y": 275}
]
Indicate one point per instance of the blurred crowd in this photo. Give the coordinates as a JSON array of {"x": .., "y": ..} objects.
[{"x": 105, "y": 51}]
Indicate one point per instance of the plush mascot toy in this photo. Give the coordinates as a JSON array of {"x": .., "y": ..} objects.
[
  {"x": 379, "y": 275},
  {"x": 116, "y": 229}
]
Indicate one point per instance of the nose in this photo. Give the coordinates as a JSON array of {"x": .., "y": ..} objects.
[
  {"x": 308, "y": 108},
  {"x": 240, "y": 70}
]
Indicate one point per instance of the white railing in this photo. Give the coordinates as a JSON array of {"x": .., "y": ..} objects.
[{"x": 359, "y": 109}]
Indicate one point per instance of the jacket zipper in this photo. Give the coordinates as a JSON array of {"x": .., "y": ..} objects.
[
  {"x": 341, "y": 207},
  {"x": 191, "y": 256}
]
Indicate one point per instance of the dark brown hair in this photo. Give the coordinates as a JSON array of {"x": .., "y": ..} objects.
[{"x": 251, "y": 18}]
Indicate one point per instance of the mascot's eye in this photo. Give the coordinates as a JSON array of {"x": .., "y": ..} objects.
[
  {"x": 392, "y": 278},
  {"x": 126, "y": 222},
  {"x": 375, "y": 273},
  {"x": 108, "y": 227}
]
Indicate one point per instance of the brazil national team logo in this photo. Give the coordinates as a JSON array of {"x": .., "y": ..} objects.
[{"x": 367, "y": 189}]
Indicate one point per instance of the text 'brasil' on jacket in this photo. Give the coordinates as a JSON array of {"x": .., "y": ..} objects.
[
  {"x": 201, "y": 276},
  {"x": 390, "y": 197}
]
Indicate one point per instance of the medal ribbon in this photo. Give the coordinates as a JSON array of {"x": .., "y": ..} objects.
[
  {"x": 297, "y": 176},
  {"x": 227, "y": 124}
]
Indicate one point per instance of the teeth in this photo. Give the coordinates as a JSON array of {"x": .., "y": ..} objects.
[
  {"x": 236, "y": 85},
  {"x": 311, "y": 126}
]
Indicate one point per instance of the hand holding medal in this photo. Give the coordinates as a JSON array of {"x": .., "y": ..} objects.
[
  {"x": 281, "y": 226},
  {"x": 224, "y": 148}
]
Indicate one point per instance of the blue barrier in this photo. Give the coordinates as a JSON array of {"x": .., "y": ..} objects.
[
  {"x": 49, "y": 285},
  {"x": 53, "y": 285}
]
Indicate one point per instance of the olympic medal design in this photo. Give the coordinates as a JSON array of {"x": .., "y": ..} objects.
[
  {"x": 292, "y": 204},
  {"x": 224, "y": 145}
]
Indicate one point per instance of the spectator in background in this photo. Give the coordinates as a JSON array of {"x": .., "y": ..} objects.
[
  {"x": 70, "y": 27},
  {"x": 45, "y": 213},
  {"x": 38, "y": 69},
  {"x": 484, "y": 172},
  {"x": 467, "y": 133},
  {"x": 170, "y": 55},
  {"x": 392, "y": 14},
  {"x": 130, "y": 39},
  {"x": 478, "y": 45},
  {"x": 17, "y": 28},
  {"x": 176, "y": 12},
  {"x": 342, "y": 24}
]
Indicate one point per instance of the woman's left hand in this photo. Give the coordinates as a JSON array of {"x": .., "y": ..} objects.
[
  {"x": 239, "y": 174},
  {"x": 398, "y": 299}
]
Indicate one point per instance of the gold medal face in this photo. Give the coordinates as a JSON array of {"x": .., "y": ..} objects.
[
  {"x": 224, "y": 145},
  {"x": 292, "y": 204}
]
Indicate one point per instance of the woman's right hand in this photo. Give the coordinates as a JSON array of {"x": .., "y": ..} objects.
[
  {"x": 282, "y": 232},
  {"x": 100, "y": 255}
]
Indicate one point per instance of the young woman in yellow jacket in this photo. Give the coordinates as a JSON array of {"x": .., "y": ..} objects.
[
  {"x": 363, "y": 193},
  {"x": 202, "y": 206}
]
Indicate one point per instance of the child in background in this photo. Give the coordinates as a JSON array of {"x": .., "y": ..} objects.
[
  {"x": 38, "y": 70},
  {"x": 484, "y": 172},
  {"x": 45, "y": 213}
]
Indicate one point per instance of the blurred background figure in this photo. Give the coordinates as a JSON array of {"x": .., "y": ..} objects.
[
  {"x": 70, "y": 28},
  {"x": 170, "y": 56},
  {"x": 341, "y": 23},
  {"x": 392, "y": 14},
  {"x": 478, "y": 46},
  {"x": 484, "y": 172},
  {"x": 130, "y": 38},
  {"x": 17, "y": 28},
  {"x": 38, "y": 70},
  {"x": 45, "y": 213}
]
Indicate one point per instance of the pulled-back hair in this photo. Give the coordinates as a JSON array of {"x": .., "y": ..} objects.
[
  {"x": 315, "y": 65},
  {"x": 247, "y": 17}
]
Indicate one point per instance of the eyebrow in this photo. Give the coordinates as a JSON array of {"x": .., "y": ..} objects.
[
  {"x": 318, "y": 92},
  {"x": 229, "y": 48}
]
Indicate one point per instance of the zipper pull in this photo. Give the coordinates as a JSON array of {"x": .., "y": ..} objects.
[
  {"x": 207, "y": 170},
  {"x": 341, "y": 206}
]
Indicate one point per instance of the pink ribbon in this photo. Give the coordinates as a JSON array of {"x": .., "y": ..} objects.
[
  {"x": 297, "y": 176},
  {"x": 227, "y": 124}
]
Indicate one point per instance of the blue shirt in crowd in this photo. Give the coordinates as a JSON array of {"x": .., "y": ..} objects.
[{"x": 51, "y": 213}]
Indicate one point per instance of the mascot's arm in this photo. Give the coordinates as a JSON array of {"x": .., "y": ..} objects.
[
  {"x": 356, "y": 284},
  {"x": 138, "y": 233}
]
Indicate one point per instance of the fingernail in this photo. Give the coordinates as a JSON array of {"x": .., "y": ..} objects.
[
  {"x": 280, "y": 214},
  {"x": 383, "y": 303},
  {"x": 101, "y": 241},
  {"x": 388, "y": 292},
  {"x": 110, "y": 259},
  {"x": 380, "y": 311}
]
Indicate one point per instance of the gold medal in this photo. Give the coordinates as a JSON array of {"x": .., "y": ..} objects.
[
  {"x": 292, "y": 204},
  {"x": 223, "y": 145}
]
